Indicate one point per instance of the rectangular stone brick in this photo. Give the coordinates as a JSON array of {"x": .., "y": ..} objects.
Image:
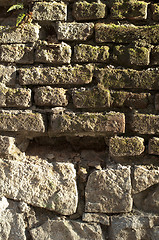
[
  {"x": 96, "y": 97},
  {"x": 74, "y": 31},
  {"x": 28, "y": 34},
  {"x": 128, "y": 78},
  {"x": 125, "y": 33},
  {"x": 48, "y": 96},
  {"x": 126, "y": 146},
  {"x": 83, "y": 10},
  {"x": 7, "y": 74},
  {"x": 53, "y": 53},
  {"x": 153, "y": 146},
  {"x": 127, "y": 56},
  {"x": 63, "y": 122},
  {"x": 18, "y": 53},
  {"x": 70, "y": 75},
  {"x": 22, "y": 122},
  {"x": 109, "y": 191},
  {"x": 49, "y": 11},
  {"x": 89, "y": 53}
]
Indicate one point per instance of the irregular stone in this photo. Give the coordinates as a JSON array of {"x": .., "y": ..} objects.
[
  {"x": 49, "y": 11},
  {"x": 7, "y": 75},
  {"x": 126, "y": 146},
  {"x": 53, "y": 53},
  {"x": 127, "y": 56},
  {"x": 96, "y": 217},
  {"x": 76, "y": 75},
  {"x": 48, "y": 96},
  {"x": 109, "y": 191},
  {"x": 74, "y": 31},
  {"x": 22, "y": 121},
  {"x": 126, "y": 34},
  {"x": 27, "y": 34},
  {"x": 144, "y": 123},
  {"x": 50, "y": 186},
  {"x": 83, "y": 10},
  {"x": 63, "y": 122},
  {"x": 155, "y": 55},
  {"x": 95, "y": 97},
  {"x": 89, "y": 53},
  {"x": 133, "y": 10},
  {"x": 153, "y": 146},
  {"x": 73, "y": 230},
  {"x": 155, "y": 11},
  {"x": 18, "y": 53},
  {"x": 127, "y": 78}
]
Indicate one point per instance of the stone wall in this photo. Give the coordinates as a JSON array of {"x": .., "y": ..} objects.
[{"x": 79, "y": 122}]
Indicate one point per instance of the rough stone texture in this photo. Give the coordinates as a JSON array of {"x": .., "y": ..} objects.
[
  {"x": 18, "y": 53},
  {"x": 128, "y": 78},
  {"x": 53, "y": 53},
  {"x": 64, "y": 230},
  {"x": 45, "y": 185},
  {"x": 89, "y": 53},
  {"x": 126, "y": 146},
  {"x": 48, "y": 96},
  {"x": 7, "y": 74},
  {"x": 133, "y": 10},
  {"x": 157, "y": 101},
  {"x": 7, "y": 145},
  {"x": 83, "y": 10},
  {"x": 22, "y": 121},
  {"x": 74, "y": 31},
  {"x": 126, "y": 34},
  {"x": 75, "y": 75},
  {"x": 65, "y": 122},
  {"x": 154, "y": 146},
  {"x": 27, "y": 34},
  {"x": 49, "y": 11},
  {"x": 155, "y": 55},
  {"x": 109, "y": 191},
  {"x": 155, "y": 12},
  {"x": 127, "y": 56},
  {"x": 96, "y": 217},
  {"x": 144, "y": 123},
  {"x": 95, "y": 97}
]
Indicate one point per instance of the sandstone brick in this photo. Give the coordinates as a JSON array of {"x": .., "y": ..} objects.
[
  {"x": 49, "y": 11},
  {"x": 127, "y": 78},
  {"x": 126, "y": 146},
  {"x": 96, "y": 217},
  {"x": 133, "y": 10},
  {"x": 154, "y": 146},
  {"x": 155, "y": 55},
  {"x": 48, "y": 96},
  {"x": 18, "y": 53},
  {"x": 74, "y": 31},
  {"x": 90, "y": 124},
  {"x": 89, "y": 53},
  {"x": 109, "y": 191},
  {"x": 22, "y": 122},
  {"x": 70, "y": 75},
  {"x": 53, "y": 53},
  {"x": 126, "y": 34},
  {"x": 50, "y": 186},
  {"x": 7, "y": 74},
  {"x": 27, "y": 34},
  {"x": 95, "y": 97},
  {"x": 155, "y": 12},
  {"x": 83, "y": 10}
]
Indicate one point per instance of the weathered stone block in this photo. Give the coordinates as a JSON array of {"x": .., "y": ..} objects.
[
  {"x": 83, "y": 10},
  {"x": 89, "y": 53},
  {"x": 155, "y": 55},
  {"x": 154, "y": 146},
  {"x": 95, "y": 97},
  {"x": 125, "y": 33},
  {"x": 18, "y": 53},
  {"x": 64, "y": 229},
  {"x": 6, "y": 145},
  {"x": 70, "y": 75},
  {"x": 67, "y": 122},
  {"x": 49, "y": 11},
  {"x": 74, "y": 31},
  {"x": 22, "y": 121},
  {"x": 125, "y": 146},
  {"x": 109, "y": 191},
  {"x": 145, "y": 123},
  {"x": 53, "y": 53},
  {"x": 48, "y": 96},
  {"x": 28, "y": 34},
  {"x": 127, "y": 56},
  {"x": 45, "y": 185},
  {"x": 96, "y": 217},
  {"x": 133, "y": 10},
  {"x": 155, "y": 12},
  {"x": 7, "y": 75}
]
